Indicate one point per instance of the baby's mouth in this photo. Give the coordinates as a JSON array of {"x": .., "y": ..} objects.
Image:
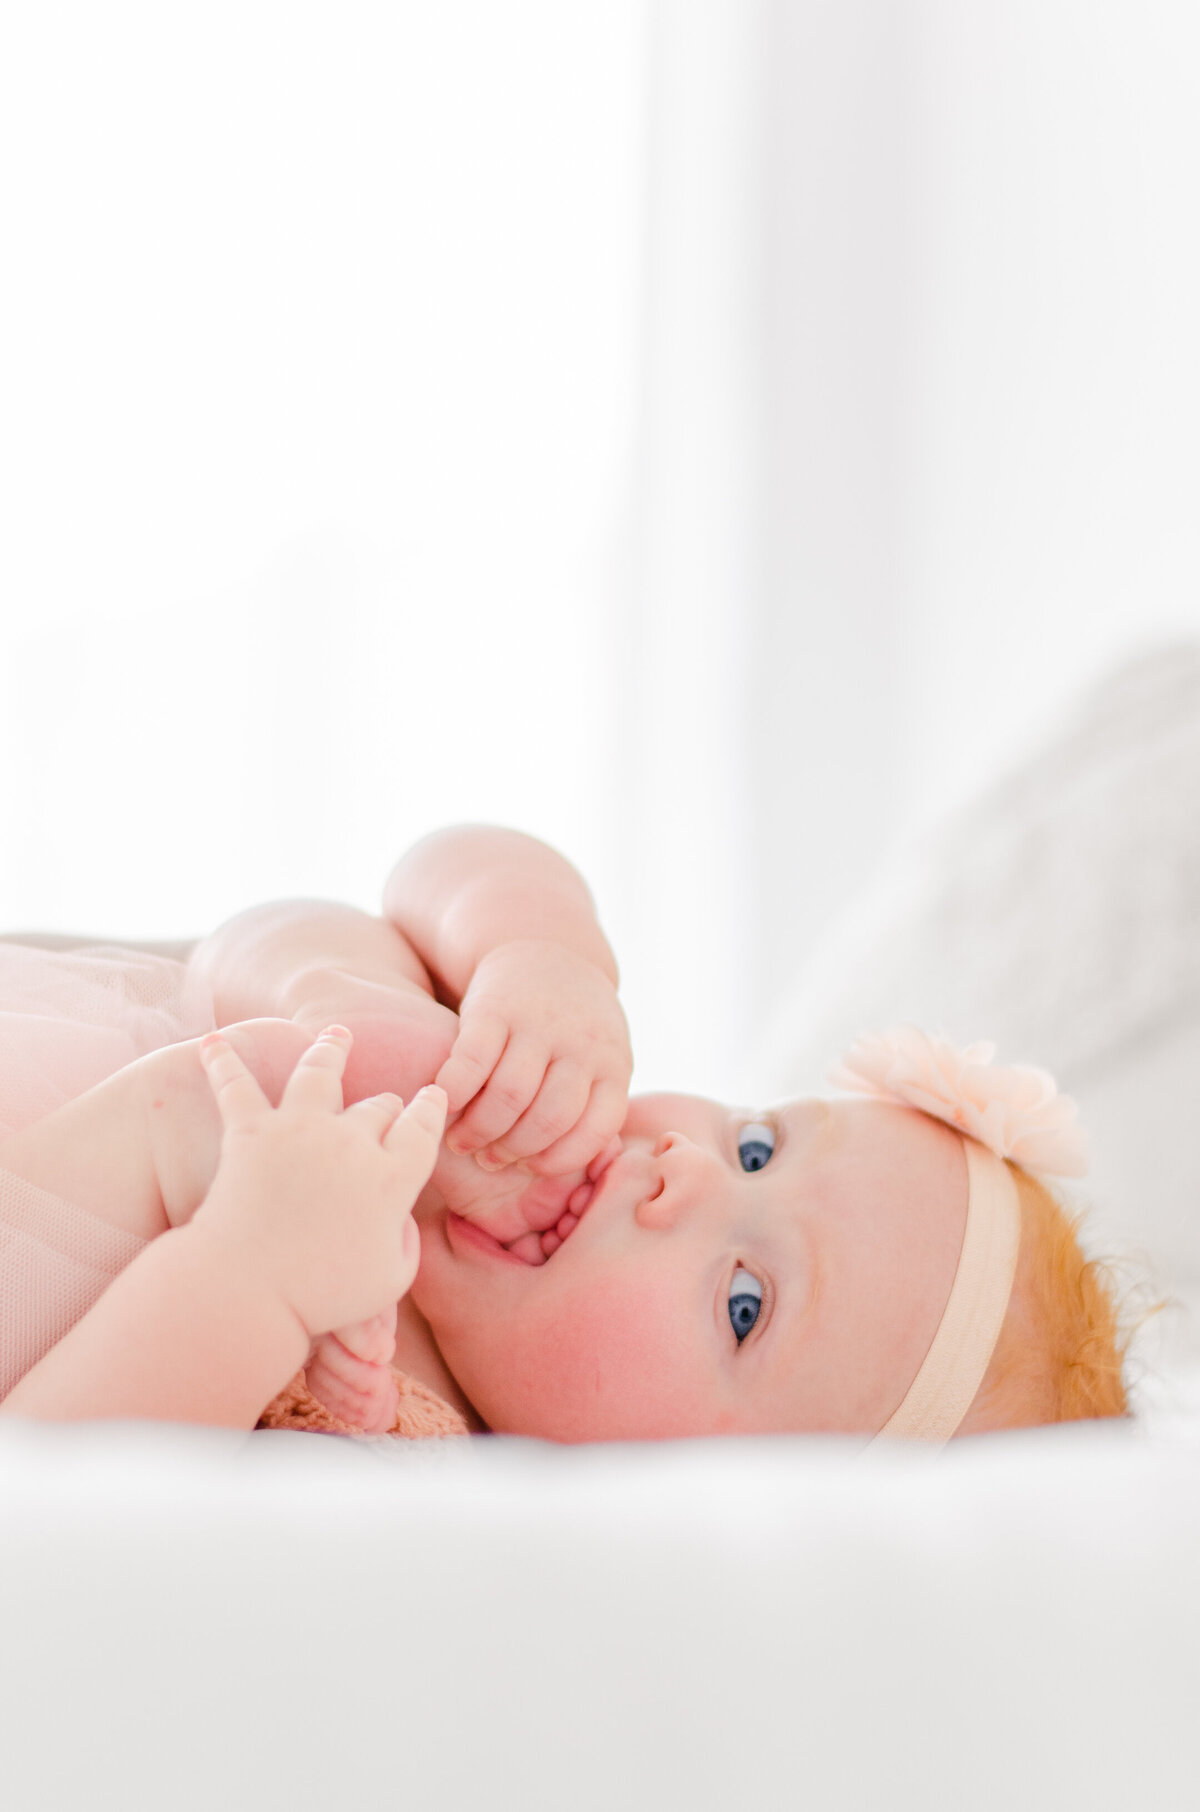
[{"x": 538, "y": 1248}]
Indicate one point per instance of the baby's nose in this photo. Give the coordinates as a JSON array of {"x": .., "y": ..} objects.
[{"x": 683, "y": 1168}]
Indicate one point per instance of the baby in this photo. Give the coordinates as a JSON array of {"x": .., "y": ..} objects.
[{"x": 590, "y": 1267}]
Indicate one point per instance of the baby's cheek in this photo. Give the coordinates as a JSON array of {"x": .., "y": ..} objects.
[{"x": 608, "y": 1366}]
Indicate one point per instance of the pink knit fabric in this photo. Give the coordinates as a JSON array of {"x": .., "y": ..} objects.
[{"x": 420, "y": 1412}]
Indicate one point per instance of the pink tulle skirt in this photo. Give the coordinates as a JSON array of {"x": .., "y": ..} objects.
[{"x": 67, "y": 1021}]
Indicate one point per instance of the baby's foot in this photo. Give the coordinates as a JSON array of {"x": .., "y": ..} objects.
[
  {"x": 402, "y": 1036},
  {"x": 350, "y": 1373}
]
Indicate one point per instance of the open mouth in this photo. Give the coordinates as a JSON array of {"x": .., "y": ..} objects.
[
  {"x": 538, "y": 1248},
  {"x": 461, "y": 1232},
  {"x": 530, "y": 1248}
]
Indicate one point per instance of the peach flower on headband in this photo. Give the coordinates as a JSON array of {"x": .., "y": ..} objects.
[{"x": 1017, "y": 1112}]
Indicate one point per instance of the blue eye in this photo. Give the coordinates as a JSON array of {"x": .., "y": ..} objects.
[
  {"x": 756, "y": 1142},
  {"x": 745, "y": 1301}
]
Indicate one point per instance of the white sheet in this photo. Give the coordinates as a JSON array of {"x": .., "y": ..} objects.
[{"x": 193, "y": 1619}]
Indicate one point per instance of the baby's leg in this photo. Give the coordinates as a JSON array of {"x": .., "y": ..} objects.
[
  {"x": 141, "y": 1148},
  {"x": 402, "y": 1036}
]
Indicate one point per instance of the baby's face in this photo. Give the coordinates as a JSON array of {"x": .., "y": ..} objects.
[{"x": 851, "y": 1230}]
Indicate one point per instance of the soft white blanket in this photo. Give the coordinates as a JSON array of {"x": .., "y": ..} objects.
[{"x": 203, "y": 1620}]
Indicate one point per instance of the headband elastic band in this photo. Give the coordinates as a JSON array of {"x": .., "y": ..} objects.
[{"x": 952, "y": 1371}]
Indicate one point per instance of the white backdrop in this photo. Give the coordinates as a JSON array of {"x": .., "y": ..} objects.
[
  {"x": 981, "y": 282},
  {"x": 713, "y": 435},
  {"x": 317, "y": 335}
]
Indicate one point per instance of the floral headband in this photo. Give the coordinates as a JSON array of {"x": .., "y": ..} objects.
[
  {"x": 1017, "y": 1113},
  {"x": 1014, "y": 1113}
]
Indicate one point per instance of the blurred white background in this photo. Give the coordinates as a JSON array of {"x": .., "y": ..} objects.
[{"x": 712, "y": 435}]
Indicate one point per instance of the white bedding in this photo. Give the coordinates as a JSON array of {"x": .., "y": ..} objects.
[{"x": 194, "y": 1620}]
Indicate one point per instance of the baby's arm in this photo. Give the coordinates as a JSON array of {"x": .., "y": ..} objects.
[
  {"x": 256, "y": 961},
  {"x": 318, "y": 963},
  {"x": 460, "y": 893},
  {"x": 307, "y": 1226},
  {"x": 474, "y": 904},
  {"x": 540, "y": 1069},
  {"x": 185, "y": 1333},
  {"x": 452, "y": 898}
]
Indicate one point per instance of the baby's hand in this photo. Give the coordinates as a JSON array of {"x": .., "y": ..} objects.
[
  {"x": 316, "y": 1197},
  {"x": 542, "y": 1058}
]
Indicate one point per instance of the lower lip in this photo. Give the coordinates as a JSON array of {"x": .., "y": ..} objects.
[{"x": 465, "y": 1233}]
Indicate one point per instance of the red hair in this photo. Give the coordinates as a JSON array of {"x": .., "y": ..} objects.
[{"x": 1061, "y": 1352}]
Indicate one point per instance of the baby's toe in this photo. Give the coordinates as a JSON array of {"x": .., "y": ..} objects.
[{"x": 373, "y": 1340}]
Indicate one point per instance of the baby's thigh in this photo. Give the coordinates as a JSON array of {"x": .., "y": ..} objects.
[
  {"x": 141, "y": 1148},
  {"x": 95, "y": 1152},
  {"x": 182, "y": 1123}
]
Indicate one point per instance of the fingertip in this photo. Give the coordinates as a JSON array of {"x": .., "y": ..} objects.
[
  {"x": 603, "y": 1159},
  {"x": 455, "y": 1093},
  {"x": 491, "y": 1163},
  {"x": 432, "y": 1099},
  {"x": 546, "y": 1164}
]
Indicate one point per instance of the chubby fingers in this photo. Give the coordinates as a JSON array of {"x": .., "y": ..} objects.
[
  {"x": 386, "y": 1115},
  {"x": 316, "y": 1082},
  {"x": 424, "y": 1116},
  {"x": 239, "y": 1098},
  {"x": 473, "y": 1058},
  {"x": 556, "y": 1102},
  {"x": 529, "y": 1099},
  {"x": 583, "y": 1137}
]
